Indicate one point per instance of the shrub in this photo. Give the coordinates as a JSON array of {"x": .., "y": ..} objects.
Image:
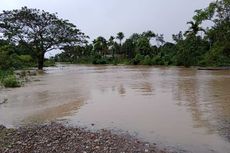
[
  {"x": 25, "y": 58},
  {"x": 4, "y": 59},
  {"x": 49, "y": 63},
  {"x": 147, "y": 60},
  {"x": 11, "y": 81},
  {"x": 4, "y": 73},
  {"x": 98, "y": 59},
  {"x": 157, "y": 60},
  {"x": 138, "y": 58},
  {"x": 215, "y": 56},
  {"x": 15, "y": 62}
]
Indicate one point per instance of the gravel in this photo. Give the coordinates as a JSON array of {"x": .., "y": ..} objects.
[{"x": 55, "y": 137}]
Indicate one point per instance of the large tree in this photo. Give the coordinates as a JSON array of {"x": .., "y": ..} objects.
[
  {"x": 218, "y": 35},
  {"x": 39, "y": 30}
]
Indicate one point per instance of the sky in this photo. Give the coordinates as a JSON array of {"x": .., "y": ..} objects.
[{"x": 108, "y": 17}]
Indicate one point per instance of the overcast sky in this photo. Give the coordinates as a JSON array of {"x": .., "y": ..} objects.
[{"x": 108, "y": 17}]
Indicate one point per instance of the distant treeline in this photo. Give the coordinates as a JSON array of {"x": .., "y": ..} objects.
[
  {"x": 195, "y": 47},
  {"x": 27, "y": 34}
]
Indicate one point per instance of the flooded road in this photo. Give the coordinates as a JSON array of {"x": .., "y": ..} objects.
[{"x": 182, "y": 109}]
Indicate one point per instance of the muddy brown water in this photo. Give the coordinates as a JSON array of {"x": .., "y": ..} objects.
[{"x": 178, "y": 108}]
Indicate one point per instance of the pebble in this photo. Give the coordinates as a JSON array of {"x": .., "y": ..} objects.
[
  {"x": 2, "y": 127},
  {"x": 97, "y": 147},
  {"x": 69, "y": 139}
]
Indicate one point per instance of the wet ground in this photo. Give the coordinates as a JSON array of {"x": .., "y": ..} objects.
[{"x": 178, "y": 108}]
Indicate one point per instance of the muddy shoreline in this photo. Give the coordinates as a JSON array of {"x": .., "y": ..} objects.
[{"x": 55, "y": 137}]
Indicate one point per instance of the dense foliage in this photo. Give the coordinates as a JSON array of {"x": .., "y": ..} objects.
[
  {"x": 27, "y": 34},
  {"x": 38, "y": 31},
  {"x": 195, "y": 47}
]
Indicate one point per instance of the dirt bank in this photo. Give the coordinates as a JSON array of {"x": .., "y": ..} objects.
[{"x": 58, "y": 138}]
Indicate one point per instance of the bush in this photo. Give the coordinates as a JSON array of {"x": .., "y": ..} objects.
[
  {"x": 4, "y": 59},
  {"x": 25, "y": 58},
  {"x": 5, "y": 73},
  {"x": 98, "y": 59},
  {"x": 138, "y": 58},
  {"x": 15, "y": 62},
  {"x": 157, "y": 60},
  {"x": 11, "y": 81},
  {"x": 49, "y": 63},
  {"x": 84, "y": 60},
  {"x": 147, "y": 60},
  {"x": 216, "y": 56},
  {"x": 26, "y": 61}
]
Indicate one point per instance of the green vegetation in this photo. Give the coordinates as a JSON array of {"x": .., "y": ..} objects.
[
  {"x": 27, "y": 34},
  {"x": 39, "y": 32},
  {"x": 195, "y": 47},
  {"x": 8, "y": 79},
  {"x": 11, "y": 81}
]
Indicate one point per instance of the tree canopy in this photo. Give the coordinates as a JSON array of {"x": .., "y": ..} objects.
[
  {"x": 40, "y": 31},
  {"x": 34, "y": 32}
]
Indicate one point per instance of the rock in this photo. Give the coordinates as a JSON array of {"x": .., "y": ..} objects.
[
  {"x": 48, "y": 145},
  {"x": 147, "y": 145},
  {"x": 97, "y": 147},
  {"x": 19, "y": 142},
  {"x": 3, "y": 101},
  {"x": 97, "y": 140},
  {"x": 2, "y": 127}
]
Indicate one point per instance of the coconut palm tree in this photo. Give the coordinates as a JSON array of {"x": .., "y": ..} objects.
[
  {"x": 111, "y": 45},
  {"x": 194, "y": 28},
  {"x": 120, "y": 36},
  {"x": 100, "y": 45}
]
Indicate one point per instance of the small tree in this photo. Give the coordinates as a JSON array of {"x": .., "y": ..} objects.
[{"x": 39, "y": 30}]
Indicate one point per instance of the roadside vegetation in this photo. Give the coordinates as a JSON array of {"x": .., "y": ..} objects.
[{"x": 27, "y": 34}]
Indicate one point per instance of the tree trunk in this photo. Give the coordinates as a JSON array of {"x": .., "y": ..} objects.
[{"x": 41, "y": 61}]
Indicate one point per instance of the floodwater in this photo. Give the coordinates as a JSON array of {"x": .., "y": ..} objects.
[{"x": 178, "y": 108}]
